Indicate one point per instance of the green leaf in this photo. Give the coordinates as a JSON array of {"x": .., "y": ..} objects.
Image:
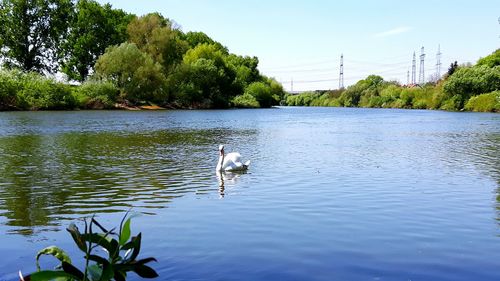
[
  {"x": 125, "y": 234},
  {"x": 98, "y": 239},
  {"x": 146, "y": 260},
  {"x": 107, "y": 272},
  {"x": 98, "y": 259},
  {"x": 114, "y": 250},
  {"x": 77, "y": 237},
  {"x": 95, "y": 272},
  {"x": 70, "y": 269},
  {"x": 145, "y": 271},
  {"x": 120, "y": 276},
  {"x": 136, "y": 246},
  {"x": 99, "y": 225},
  {"x": 52, "y": 251},
  {"x": 46, "y": 275}
]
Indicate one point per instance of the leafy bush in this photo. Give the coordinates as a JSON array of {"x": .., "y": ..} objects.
[
  {"x": 454, "y": 103},
  {"x": 122, "y": 252},
  {"x": 33, "y": 91},
  {"x": 491, "y": 60},
  {"x": 484, "y": 102},
  {"x": 470, "y": 81},
  {"x": 245, "y": 101},
  {"x": 96, "y": 95},
  {"x": 38, "y": 92},
  {"x": 262, "y": 92},
  {"x": 9, "y": 85}
]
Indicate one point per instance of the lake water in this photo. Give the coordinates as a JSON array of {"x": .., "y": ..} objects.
[{"x": 331, "y": 193}]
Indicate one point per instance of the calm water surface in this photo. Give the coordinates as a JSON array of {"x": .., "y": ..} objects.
[{"x": 331, "y": 194}]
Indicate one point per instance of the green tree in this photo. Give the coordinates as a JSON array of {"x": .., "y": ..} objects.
[
  {"x": 491, "y": 60},
  {"x": 158, "y": 37},
  {"x": 31, "y": 32},
  {"x": 195, "y": 38},
  {"x": 205, "y": 78},
  {"x": 453, "y": 67},
  {"x": 470, "y": 81},
  {"x": 135, "y": 73},
  {"x": 93, "y": 29},
  {"x": 367, "y": 88},
  {"x": 262, "y": 93},
  {"x": 245, "y": 69}
]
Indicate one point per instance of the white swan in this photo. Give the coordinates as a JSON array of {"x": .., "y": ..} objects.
[{"x": 230, "y": 162}]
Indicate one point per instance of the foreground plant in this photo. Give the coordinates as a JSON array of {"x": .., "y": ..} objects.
[{"x": 121, "y": 248}]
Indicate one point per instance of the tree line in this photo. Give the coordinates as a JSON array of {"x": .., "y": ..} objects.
[
  {"x": 467, "y": 87},
  {"x": 117, "y": 59}
]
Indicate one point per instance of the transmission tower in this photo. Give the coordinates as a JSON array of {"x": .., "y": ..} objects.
[
  {"x": 438, "y": 63},
  {"x": 341, "y": 76},
  {"x": 408, "y": 77},
  {"x": 421, "y": 76},
  {"x": 414, "y": 70}
]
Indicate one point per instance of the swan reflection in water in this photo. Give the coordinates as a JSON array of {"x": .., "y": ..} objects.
[{"x": 227, "y": 179}]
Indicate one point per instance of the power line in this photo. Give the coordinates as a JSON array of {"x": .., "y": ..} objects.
[
  {"x": 421, "y": 77},
  {"x": 327, "y": 61},
  {"x": 341, "y": 76},
  {"x": 414, "y": 69},
  {"x": 438, "y": 62}
]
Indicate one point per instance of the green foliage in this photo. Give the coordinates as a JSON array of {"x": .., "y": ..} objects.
[
  {"x": 197, "y": 38},
  {"x": 135, "y": 73},
  {"x": 262, "y": 94},
  {"x": 156, "y": 36},
  {"x": 93, "y": 28},
  {"x": 245, "y": 69},
  {"x": 204, "y": 79},
  {"x": 32, "y": 91},
  {"x": 154, "y": 63},
  {"x": 245, "y": 101},
  {"x": 97, "y": 95},
  {"x": 9, "y": 85},
  {"x": 491, "y": 60},
  {"x": 361, "y": 92},
  {"x": 303, "y": 99},
  {"x": 470, "y": 81},
  {"x": 31, "y": 32},
  {"x": 39, "y": 93},
  {"x": 52, "y": 251},
  {"x": 485, "y": 102},
  {"x": 122, "y": 255}
]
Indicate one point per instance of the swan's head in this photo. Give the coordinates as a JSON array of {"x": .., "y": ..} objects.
[{"x": 221, "y": 149}]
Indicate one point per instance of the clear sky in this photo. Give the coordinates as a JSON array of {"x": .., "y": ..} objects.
[{"x": 303, "y": 40}]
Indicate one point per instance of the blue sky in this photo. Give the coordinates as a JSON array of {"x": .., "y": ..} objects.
[{"x": 303, "y": 40}]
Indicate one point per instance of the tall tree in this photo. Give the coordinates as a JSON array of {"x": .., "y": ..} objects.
[
  {"x": 31, "y": 32},
  {"x": 134, "y": 72},
  {"x": 93, "y": 29},
  {"x": 207, "y": 76},
  {"x": 195, "y": 38},
  {"x": 160, "y": 38}
]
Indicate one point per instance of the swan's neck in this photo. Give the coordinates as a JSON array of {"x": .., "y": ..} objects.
[{"x": 221, "y": 160}]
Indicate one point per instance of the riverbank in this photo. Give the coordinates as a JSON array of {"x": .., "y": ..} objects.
[{"x": 462, "y": 88}]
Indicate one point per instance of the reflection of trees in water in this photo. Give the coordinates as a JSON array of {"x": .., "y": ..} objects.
[
  {"x": 50, "y": 178},
  {"x": 487, "y": 158},
  {"x": 491, "y": 154}
]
